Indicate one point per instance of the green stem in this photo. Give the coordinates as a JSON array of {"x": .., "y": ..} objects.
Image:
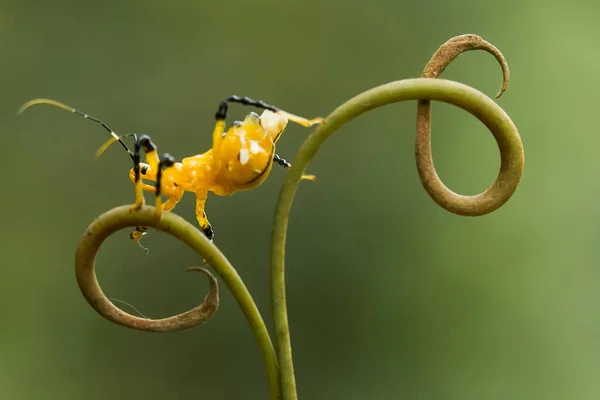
[
  {"x": 119, "y": 218},
  {"x": 446, "y": 91}
]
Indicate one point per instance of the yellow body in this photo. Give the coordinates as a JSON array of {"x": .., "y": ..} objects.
[{"x": 241, "y": 158}]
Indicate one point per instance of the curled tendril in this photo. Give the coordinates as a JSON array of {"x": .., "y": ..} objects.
[
  {"x": 86, "y": 277},
  {"x": 121, "y": 217},
  {"x": 511, "y": 149},
  {"x": 423, "y": 90}
]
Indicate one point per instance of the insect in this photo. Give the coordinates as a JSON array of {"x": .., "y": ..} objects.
[{"x": 241, "y": 158}]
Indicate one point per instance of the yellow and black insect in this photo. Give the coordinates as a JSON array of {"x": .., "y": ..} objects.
[{"x": 241, "y": 158}]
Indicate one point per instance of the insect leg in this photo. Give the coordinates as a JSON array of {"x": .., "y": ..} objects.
[
  {"x": 168, "y": 205},
  {"x": 222, "y": 111},
  {"x": 224, "y": 105},
  {"x": 221, "y": 116},
  {"x": 301, "y": 120},
  {"x": 142, "y": 143},
  {"x": 165, "y": 161},
  {"x": 281, "y": 161},
  {"x": 201, "y": 214},
  {"x": 286, "y": 164}
]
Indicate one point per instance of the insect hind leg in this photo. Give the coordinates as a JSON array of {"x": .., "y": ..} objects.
[
  {"x": 285, "y": 164},
  {"x": 305, "y": 122},
  {"x": 224, "y": 105},
  {"x": 280, "y": 161}
]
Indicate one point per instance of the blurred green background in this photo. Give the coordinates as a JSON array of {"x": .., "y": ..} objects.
[{"x": 389, "y": 295}]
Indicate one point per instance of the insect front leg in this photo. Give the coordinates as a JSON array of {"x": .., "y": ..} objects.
[
  {"x": 155, "y": 165},
  {"x": 174, "y": 195},
  {"x": 143, "y": 143},
  {"x": 173, "y": 192},
  {"x": 201, "y": 214}
]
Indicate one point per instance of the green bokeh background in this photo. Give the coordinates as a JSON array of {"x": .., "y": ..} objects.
[{"x": 389, "y": 295}]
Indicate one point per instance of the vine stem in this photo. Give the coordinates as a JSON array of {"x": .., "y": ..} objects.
[
  {"x": 423, "y": 89},
  {"x": 119, "y": 218}
]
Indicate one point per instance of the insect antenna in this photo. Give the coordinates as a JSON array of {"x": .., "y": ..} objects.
[
  {"x": 110, "y": 141},
  {"x": 55, "y": 103}
]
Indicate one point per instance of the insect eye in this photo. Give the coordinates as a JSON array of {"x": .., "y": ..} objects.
[{"x": 143, "y": 170}]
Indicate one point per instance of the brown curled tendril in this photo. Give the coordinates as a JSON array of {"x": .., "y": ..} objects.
[
  {"x": 196, "y": 316},
  {"x": 90, "y": 243},
  {"x": 422, "y": 90},
  {"x": 511, "y": 164},
  {"x": 119, "y": 218}
]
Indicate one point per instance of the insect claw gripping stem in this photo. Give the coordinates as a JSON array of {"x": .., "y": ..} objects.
[{"x": 208, "y": 232}]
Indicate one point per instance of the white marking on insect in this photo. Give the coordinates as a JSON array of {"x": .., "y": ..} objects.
[
  {"x": 244, "y": 156},
  {"x": 255, "y": 148}
]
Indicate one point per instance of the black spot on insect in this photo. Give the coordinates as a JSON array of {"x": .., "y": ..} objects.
[{"x": 143, "y": 170}]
